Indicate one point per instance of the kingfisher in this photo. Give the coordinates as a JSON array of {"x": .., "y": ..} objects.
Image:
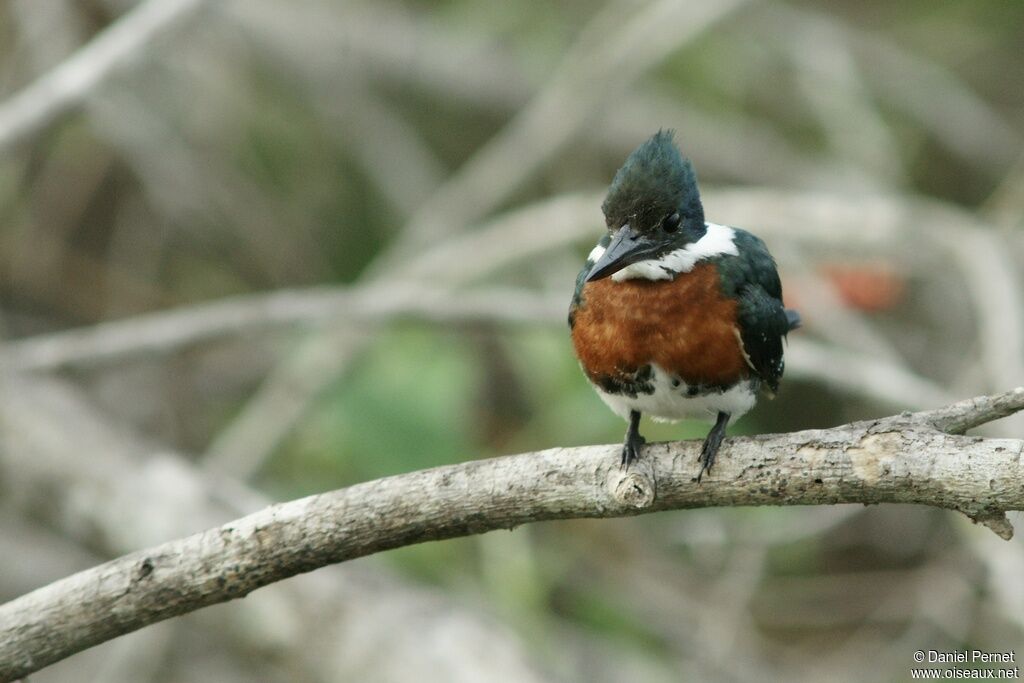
[{"x": 673, "y": 316}]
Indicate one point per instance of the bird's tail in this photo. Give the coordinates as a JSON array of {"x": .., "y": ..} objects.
[{"x": 793, "y": 318}]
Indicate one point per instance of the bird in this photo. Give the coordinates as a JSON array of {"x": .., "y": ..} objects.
[{"x": 673, "y": 316}]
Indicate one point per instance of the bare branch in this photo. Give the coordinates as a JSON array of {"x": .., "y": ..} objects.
[
  {"x": 899, "y": 459},
  {"x": 73, "y": 80},
  {"x": 131, "y": 493},
  {"x": 961, "y": 416},
  {"x": 516, "y": 235},
  {"x": 993, "y": 278},
  {"x": 862, "y": 374},
  {"x": 165, "y": 331},
  {"x": 939, "y": 100}
]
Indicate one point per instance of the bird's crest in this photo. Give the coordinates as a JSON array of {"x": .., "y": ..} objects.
[{"x": 656, "y": 180}]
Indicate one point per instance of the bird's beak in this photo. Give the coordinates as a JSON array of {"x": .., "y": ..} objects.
[{"x": 627, "y": 246}]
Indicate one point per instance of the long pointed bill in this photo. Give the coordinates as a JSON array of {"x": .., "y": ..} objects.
[{"x": 627, "y": 246}]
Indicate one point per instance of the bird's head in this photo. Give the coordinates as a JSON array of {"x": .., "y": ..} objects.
[{"x": 652, "y": 206}]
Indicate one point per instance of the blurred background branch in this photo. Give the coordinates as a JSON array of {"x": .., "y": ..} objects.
[
  {"x": 265, "y": 239},
  {"x": 71, "y": 82}
]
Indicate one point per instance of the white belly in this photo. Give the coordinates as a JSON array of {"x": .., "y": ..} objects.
[{"x": 670, "y": 403}]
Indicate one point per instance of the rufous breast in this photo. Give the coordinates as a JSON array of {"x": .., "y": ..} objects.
[{"x": 686, "y": 326}]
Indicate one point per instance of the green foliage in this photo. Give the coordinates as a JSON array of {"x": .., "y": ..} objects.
[{"x": 400, "y": 409}]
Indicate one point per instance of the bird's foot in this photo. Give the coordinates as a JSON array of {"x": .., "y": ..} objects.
[
  {"x": 631, "y": 448},
  {"x": 707, "y": 454},
  {"x": 711, "y": 445}
]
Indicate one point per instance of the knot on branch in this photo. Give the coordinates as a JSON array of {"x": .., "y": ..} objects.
[{"x": 633, "y": 489}]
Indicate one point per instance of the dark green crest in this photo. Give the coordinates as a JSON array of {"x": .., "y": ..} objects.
[{"x": 655, "y": 182}]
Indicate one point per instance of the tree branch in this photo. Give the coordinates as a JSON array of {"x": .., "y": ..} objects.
[
  {"x": 907, "y": 458},
  {"x": 132, "y": 492},
  {"x": 54, "y": 93}
]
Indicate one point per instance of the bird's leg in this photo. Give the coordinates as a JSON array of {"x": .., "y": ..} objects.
[
  {"x": 631, "y": 448},
  {"x": 711, "y": 444}
]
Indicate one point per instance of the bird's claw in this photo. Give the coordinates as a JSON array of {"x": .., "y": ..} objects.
[
  {"x": 631, "y": 451},
  {"x": 711, "y": 445},
  {"x": 707, "y": 457}
]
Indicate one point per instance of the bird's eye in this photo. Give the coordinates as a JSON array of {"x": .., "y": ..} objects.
[{"x": 671, "y": 223}]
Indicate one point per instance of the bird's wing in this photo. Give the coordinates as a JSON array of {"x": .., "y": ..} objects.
[
  {"x": 763, "y": 325},
  {"x": 761, "y": 318},
  {"x": 581, "y": 279}
]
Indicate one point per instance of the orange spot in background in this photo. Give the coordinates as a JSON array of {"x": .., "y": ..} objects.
[{"x": 867, "y": 287}]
